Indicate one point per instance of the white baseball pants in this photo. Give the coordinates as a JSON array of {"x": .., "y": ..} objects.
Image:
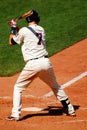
[{"x": 42, "y": 68}]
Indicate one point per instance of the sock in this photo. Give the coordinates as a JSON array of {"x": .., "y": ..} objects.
[{"x": 65, "y": 103}]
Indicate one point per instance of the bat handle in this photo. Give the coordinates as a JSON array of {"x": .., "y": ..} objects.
[{"x": 20, "y": 17}]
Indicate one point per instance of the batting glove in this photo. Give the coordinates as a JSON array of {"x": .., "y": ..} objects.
[{"x": 13, "y": 23}]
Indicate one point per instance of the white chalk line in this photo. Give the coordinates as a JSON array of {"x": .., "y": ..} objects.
[
  {"x": 83, "y": 108},
  {"x": 5, "y": 97},
  {"x": 9, "y": 97},
  {"x": 73, "y": 121},
  {"x": 67, "y": 84}
]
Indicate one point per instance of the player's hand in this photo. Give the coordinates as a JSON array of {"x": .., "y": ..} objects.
[{"x": 13, "y": 23}]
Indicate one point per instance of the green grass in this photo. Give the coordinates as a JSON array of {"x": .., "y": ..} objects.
[{"x": 65, "y": 23}]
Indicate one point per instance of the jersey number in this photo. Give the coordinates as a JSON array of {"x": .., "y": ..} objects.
[{"x": 40, "y": 38}]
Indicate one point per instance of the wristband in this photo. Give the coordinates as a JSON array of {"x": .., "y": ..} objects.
[{"x": 13, "y": 30}]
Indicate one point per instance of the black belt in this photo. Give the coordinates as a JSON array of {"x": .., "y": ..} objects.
[{"x": 40, "y": 57}]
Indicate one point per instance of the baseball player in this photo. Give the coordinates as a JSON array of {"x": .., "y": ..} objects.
[{"x": 32, "y": 41}]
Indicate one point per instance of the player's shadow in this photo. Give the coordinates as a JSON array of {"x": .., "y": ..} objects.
[{"x": 49, "y": 111}]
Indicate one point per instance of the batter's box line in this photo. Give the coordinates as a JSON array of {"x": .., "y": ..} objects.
[
  {"x": 73, "y": 121},
  {"x": 67, "y": 84}
]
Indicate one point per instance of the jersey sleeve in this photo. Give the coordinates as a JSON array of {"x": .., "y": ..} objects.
[{"x": 18, "y": 38}]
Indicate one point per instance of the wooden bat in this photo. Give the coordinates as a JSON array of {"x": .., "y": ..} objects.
[{"x": 30, "y": 12}]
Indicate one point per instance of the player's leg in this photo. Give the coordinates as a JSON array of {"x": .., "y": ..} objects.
[
  {"x": 26, "y": 76},
  {"x": 50, "y": 79}
]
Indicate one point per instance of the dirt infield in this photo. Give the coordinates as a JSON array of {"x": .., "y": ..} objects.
[{"x": 41, "y": 110}]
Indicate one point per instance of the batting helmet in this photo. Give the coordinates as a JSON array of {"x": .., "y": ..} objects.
[{"x": 34, "y": 17}]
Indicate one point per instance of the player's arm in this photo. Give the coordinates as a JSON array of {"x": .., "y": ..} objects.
[
  {"x": 13, "y": 31},
  {"x": 10, "y": 37}
]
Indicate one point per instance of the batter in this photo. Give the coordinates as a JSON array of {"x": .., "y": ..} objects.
[{"x": 33, "y": 45}]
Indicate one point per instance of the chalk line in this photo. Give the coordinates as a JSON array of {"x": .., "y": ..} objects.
[
  {"x": 73, "y": 121},
  {"x": 68, "y": 83},
  {"x": 5, "y": 97}
]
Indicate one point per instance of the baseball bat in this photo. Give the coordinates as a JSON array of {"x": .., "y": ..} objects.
[{"x": 30, "y": 12}]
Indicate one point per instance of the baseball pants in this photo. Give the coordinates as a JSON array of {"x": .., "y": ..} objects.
[{"x": 41, "y": 68}]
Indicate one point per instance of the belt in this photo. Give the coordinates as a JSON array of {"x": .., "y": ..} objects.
[{"x": 39, "y": 57}]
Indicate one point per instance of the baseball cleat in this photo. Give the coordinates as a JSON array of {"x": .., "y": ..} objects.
[
  {"x": 73, "y": 114},
  {"x": 69, "y": 114},
  {"x": 10, "y": 118},
  {"x": 69, "y": 111}
]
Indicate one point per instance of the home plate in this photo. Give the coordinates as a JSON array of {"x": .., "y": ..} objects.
[{"x": 32, "y": 109}]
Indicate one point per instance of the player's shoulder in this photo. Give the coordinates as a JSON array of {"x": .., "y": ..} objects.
[
  {"x": 23, "y": 28},
  {"x": 40, "y": 28}
]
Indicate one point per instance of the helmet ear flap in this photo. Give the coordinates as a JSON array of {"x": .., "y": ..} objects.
[{"x": 28, "y": 19}]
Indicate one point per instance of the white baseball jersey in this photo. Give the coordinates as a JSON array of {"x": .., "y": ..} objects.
[{"x": 30, "y": 46}]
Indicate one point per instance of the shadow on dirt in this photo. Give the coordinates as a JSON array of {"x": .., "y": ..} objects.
[{"x": 49, "y": 111}]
